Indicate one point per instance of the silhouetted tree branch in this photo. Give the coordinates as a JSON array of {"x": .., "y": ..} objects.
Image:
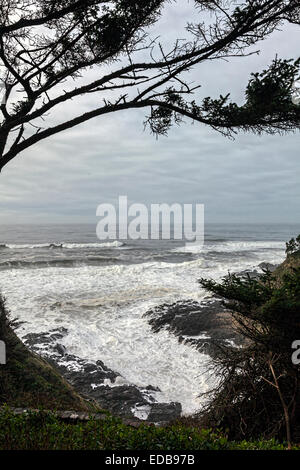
[{"x": 48, "y": 45}]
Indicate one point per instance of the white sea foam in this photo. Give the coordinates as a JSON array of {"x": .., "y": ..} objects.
[
  {"x": 230, "y": 246},
  {"x": 141, "y": 411},
  {"x": 102, "y": 308}
]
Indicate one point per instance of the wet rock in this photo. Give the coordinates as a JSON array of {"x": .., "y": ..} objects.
[
  {"x": 153, "y": 389},
  {"x": 83, "y": 374},
  {"x": 254, "y": 274},
  {"x": 119, "y": 400},
  {"x": 91, "y": 379},
  {"x": 268, "y": 266},
  {"x": 202, "y": 325},
  {"x": 48, "y": 337},
  {"x": 60, "y": 349},
  {"x": 164, "y": 412}
]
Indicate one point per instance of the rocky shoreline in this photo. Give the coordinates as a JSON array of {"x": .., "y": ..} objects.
[
  {"x": 97, "y": 383},
  {"x": 202, "y": 325},
  {"x": 199, "y": 324}
]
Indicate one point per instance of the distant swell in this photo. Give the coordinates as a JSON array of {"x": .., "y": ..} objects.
[
  {"x": 64, "y": 263},
  {"x": 53, "y": 246}
]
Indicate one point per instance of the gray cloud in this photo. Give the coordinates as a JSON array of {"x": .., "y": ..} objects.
[{"x": 253, "y": 178}]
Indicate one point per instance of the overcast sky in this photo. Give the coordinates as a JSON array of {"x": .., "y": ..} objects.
[{"x": 251, "y": 179}]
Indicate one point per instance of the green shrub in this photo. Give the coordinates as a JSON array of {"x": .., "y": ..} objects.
[
  {"x": 258, "y": 393},
  {"x": 293, "y": 246},
  {"x": 44, "y": 431}
]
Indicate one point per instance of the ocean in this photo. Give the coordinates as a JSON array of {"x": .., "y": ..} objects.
[{"x": 63, "y": 276}]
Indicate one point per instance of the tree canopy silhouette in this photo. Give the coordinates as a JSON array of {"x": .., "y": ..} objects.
[{"x": 48, "y": 48}]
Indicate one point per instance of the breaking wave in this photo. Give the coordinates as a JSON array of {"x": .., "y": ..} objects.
[
  {"x": 63, "y": 263},
  {"x": 114, "y": 244},
  {"x": 99, "y": 293}
]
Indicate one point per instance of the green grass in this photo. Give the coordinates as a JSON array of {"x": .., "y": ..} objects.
[{"x": 44, "y": 431}]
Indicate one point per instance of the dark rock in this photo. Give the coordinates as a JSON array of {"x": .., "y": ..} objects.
[
  {"x": 254, "y": 274},
  {"x": 153, "y": 389},
  {"x": 119, "y": 400},
  {"x": 92, "y": 367},
  {"x": 202, "y": 325},
  {"x": 55, "y": 245},
  {"x": 88, "y": 378},
  {"x": 164, "y": 412},
  {"x": 85, "y": 373},
  {"x": 34, "y": 339},
  {"x": 60, "y": 349},
  {"x": 268, "y": 266}
]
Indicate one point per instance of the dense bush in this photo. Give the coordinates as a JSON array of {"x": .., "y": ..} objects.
[
  {"x": 293, "y": 246},
  {"x": 259, "y": 388},
  {"x": 43, "y": 431}
]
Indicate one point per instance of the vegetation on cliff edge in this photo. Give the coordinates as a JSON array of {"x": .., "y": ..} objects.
[
  {"x": 27, "y": 380},
  {"x": 259, "y": 384}
]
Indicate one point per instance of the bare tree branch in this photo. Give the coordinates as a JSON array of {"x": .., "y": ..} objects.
[{"x": 45, "y": 45}]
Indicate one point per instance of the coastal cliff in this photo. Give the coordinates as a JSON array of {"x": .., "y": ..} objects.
[{"x": 28, "y": 380}]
